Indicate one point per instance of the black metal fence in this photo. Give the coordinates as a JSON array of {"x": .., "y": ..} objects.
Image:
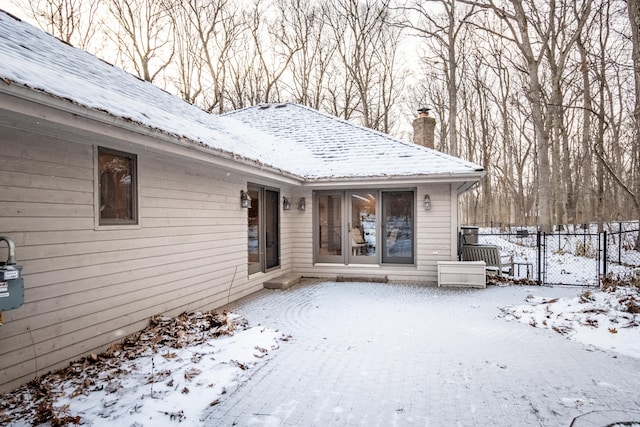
[
  {"x": 577, "y": 258},
  {"x": 622, "y": 239}
]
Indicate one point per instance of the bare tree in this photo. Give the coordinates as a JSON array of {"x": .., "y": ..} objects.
[
  {"x": 566, "y": 21},
  {"x": 143, "y": 35},
  {"x": 185, "y": 73},
  {"x": 634, "y": 21},
  {"x": 446, "y": 31},
  {"x": 360, "y": 32},
  {"x": 73, "y": 21},
  {"x": 531, "y": 43},
  {"x": 215, "y": 26},
  {"x": 275, "y": 47},
  {"x": 309, "y": 67}
]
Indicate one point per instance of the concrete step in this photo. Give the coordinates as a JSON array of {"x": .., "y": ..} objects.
[
  {"x": 282, "y": 282},
  {"x": 376, "y": 278}
]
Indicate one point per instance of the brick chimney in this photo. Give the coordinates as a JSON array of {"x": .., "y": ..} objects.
[{"x": 423, "y": 128}]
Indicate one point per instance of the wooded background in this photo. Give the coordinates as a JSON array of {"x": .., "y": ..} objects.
[{"x": 545, "y": 95}]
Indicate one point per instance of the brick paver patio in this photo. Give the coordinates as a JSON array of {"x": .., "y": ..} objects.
[{"x": 372, "y": 354}]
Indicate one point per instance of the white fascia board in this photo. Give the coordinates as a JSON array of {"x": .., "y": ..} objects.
[
  {"x": 466, "y": 181},
  {"x": 63, "y": 113},
  {"x": 467, "y": 186}
]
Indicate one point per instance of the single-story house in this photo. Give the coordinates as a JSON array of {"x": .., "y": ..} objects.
[{"x": 124, "y": 201}]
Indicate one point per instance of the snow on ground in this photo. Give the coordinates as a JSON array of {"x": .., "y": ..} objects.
[
  {"x": 602, "y": 319},
  {"x": 175, "y": 369},
  {"x": 170, "y": 373}
]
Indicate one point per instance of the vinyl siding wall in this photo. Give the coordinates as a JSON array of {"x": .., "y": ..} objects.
[{"x": 86, "y": 287}]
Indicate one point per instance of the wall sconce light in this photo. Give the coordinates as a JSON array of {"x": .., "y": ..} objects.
[
  {"x": 245, "y": 200},
  {"x": 427, "y": 202},
  {"x": 302, "y": 205},
  {"x": 286, "y": 203}
]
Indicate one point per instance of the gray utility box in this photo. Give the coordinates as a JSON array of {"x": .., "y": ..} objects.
[
  {"x": 11, "y": 282},
  {"x": 469, "y": 234}
]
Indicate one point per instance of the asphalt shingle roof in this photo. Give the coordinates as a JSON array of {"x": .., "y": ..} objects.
[
  {"x": 286, "y": 137},
  {"x": 343, "y": 149}
]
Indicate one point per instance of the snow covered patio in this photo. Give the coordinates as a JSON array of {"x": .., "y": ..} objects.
[
  {"x": 372, "y": 354},
  {"x": 345, "y": 354}
]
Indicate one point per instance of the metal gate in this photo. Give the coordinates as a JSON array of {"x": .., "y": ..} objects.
[{"x": 577, "y": 259}]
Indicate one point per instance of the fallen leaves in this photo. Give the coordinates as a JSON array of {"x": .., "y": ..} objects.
[
  {"x": 240, "y": 365},
  {"x": 587, "y": 318},
  {"x": 192, "y": 373},
  {"x": 46, "y": 413},
  {"x": 35, "y": 401},
  {"x": 561, "y": 329}
]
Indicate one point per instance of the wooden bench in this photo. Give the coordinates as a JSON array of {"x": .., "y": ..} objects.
[{"x": 496, "y": 263}]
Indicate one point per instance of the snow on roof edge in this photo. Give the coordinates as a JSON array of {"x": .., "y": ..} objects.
[{"x": 433, "y": 151}]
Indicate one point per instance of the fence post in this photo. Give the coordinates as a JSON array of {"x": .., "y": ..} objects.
[
  {"x": 620, "y": 243},
  {"x": 539, "y": 246},
  {"x": 604, "y": 255}
]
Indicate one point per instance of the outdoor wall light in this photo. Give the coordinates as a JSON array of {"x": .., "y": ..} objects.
[
  {"x": 427, "y": 202},
  {"x": 245, "y": 200},
  {"x": 302, "y": 205},
  {"x": 286, "y": 203}
]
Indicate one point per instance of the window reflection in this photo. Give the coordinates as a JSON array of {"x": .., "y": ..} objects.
[
  {"x": 363, "y": 224},
  {"x": 398, "y": 220},
  {"x": 117, "y": 187},
  {"x": 330, "y": 225},
  {"x": 254, "y": 232}
]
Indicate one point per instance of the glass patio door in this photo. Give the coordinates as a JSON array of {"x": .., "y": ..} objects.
[
  {"x": 263, "y": 229},
  {"x": 397, "y": 227},
  {"x": 362, "y": 227},
  {"x": 329, "y": 228}
]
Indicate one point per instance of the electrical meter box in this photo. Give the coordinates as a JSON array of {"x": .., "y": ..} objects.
[{"x": 11, "y": 282}]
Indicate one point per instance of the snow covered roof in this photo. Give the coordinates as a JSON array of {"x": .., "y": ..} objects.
[
  {"x": 345, "y": 150},
  {"x": 32, "y": 58},
  {"x": 288, "y": 138}
]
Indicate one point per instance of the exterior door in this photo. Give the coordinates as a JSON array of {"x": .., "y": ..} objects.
[
  {"x": 329, "y": 233},
  {"x": 362, "y": 227},
  {"x": 397, "y": 227},
  {"x": 271, "y": 228},
  {"x": 263, "y": 229}
]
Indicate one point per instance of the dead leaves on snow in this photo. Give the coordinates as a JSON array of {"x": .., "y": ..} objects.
[
  {"x": 191, "y": 373},
  {"x": 610, "y": 309},
  {"x": 34, "y": 401},
  {"x": 496, "y": 280},
  {"x": 46, "y": 413}
]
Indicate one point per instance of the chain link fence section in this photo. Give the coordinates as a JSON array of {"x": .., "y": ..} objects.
[
  {"x": 621, "y": 243},
  {"x": 565, "y": 258}
]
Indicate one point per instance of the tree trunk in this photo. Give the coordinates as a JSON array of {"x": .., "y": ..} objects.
[{"x": 634, "y": 20}]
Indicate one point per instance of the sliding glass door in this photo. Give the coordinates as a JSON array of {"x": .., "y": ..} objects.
[
  {"x": 397, "y": 226},
  {"x": 329, "y": 227},
  {"x": 263, "y": 229},
  {"x": 364, "y": 227}
]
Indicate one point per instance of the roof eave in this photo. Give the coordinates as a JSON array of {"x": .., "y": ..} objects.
[
  {"x": 466, "y": 180},
  {"x": 69, "y": 107}
]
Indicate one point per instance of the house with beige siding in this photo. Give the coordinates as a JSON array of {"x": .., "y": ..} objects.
[{"x": 124, "y": 201}]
